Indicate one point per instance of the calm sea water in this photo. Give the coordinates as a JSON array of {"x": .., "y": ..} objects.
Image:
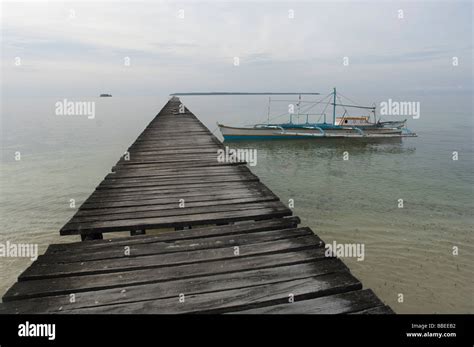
[{"x": 408, "y": 250}]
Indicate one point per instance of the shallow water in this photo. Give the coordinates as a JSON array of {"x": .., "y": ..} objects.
[{"x": 408, "y": 250}]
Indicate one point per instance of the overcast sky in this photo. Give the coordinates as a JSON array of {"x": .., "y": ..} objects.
[{"x": 79, "y": 49}]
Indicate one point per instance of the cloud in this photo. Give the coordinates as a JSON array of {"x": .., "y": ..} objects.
[{"x": 74, "y": 46}]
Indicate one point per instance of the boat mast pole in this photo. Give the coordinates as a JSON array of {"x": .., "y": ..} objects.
[
  {"x": 375, "y": 115},
  {"x": 268, "y": 113},
  {"x": 299, "y": 103},
  {"x": 334, "y": 108}
]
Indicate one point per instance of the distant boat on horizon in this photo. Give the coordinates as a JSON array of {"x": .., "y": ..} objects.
[{"x": 105, "y": 95}]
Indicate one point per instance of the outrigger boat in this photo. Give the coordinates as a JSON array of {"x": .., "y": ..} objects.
[{"x": 344, "y": 126}]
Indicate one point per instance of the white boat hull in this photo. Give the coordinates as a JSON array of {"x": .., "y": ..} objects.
[{"x": 262, "y": 133}]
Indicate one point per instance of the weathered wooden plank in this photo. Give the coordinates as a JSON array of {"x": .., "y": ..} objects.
[
  {"x": 166, "y": 211},
  {"x": 186, "y": 179},
  {"x": 162, "y": 247},
  {"x": 136, "y": 182},
  {"x": 143, "y": 174},
  {"x": 376, "y": 310},
  {"x": 205, "y": 188},
  {"x": 178, "y": 219},
  {"x": 213, "y": 154},
  {"x": 190, "y": 128},
  {"x": 127, "y": 211},
  {"x": 172, "y": 157},
  {"x": 156, "y": 174},
  {"x": 237, "y": 299},
  {"x": 174, "y": 128},
  {"x": 179, "y": 187},
  {"x": 189, "y": 199},
  {"x": 173, "y": 173},
  {"x": 172, "y": 236},
  {"x": 208, "y": 284},
  {"x": 190, "y": 164},
  {"x": 67, "y": 285},
  {"x": 176, "y": 142},
  {"x": 332, "y": 304},
  {"x": 202, "y": 139},
  {"x": 162, "y": 132},
  {"x": 151, "y": 147},
  {"x": 171, "y": 161},
  {"x": 167, "y": 134},
  {"x": 51, "y": 268},
  {"x": 177, "y": 151},
  {"x": 170, "y": 196},
  {"x": 182, "y": 172}
]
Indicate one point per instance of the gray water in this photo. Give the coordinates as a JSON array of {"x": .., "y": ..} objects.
[{"x": 408, "y": 250}]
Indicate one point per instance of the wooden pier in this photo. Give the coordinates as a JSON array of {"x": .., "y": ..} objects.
[{"x": 228, "y": 244}]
